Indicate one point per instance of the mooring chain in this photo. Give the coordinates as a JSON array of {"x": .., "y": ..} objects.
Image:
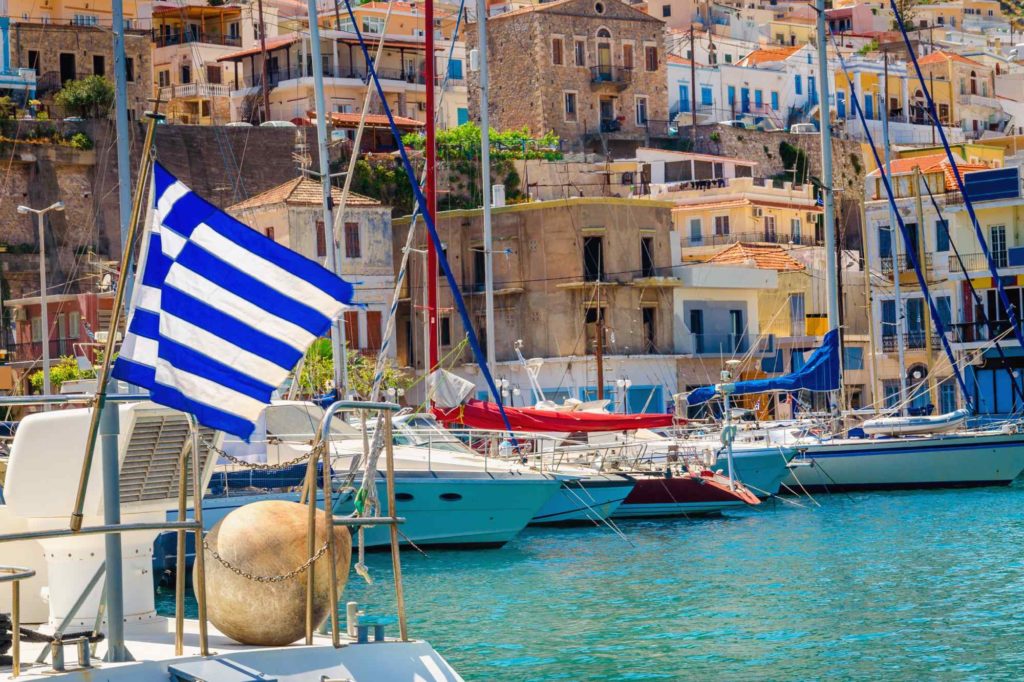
[
  {"x": 265, "y": 578},
  {"x": 262, "y": 467}
]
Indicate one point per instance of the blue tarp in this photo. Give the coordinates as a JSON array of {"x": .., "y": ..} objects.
[{"x": 820, "y": 373}]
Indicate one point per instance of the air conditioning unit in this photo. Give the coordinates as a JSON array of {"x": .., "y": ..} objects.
[{"x": 758, "y": 212}]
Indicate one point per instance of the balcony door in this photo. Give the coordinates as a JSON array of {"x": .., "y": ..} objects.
[
  {"x": 915, "y": 323},
  {"x": 697, "y": 330},
  {"x": 736, "y": 331},
  {"x": 769, "y": 229},
  {"x": 604, "y": 54},
  {"x": 997, "y": 244}
]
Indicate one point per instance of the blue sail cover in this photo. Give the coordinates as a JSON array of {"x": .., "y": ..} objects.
[{"x": 821, "y": 373}]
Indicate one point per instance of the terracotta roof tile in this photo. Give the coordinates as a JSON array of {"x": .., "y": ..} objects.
[
  {"x": 931, "y": 163},
  {"x": 942, "y": 56},
  {"x": 301, "y": 192},
  {"x": 272, "y": 44},
  {"x": 764, "y": 256}
]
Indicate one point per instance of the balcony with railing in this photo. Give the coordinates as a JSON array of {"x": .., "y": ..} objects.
[
  {"x": 202, "y": 90},
  {"x": 916, "y": 340},
  {"x": 276, "y": 76},
  {"x": 33, "y": 351},
  {"x": 980, "y": 332},
  {"x": 977, "y": 262},
  {"x": 762, "y": 237},
  {"x": 616, "y": 78},
  {"x": 903, "y": 260},
  {"x": 169, "y": 39},
  {"x": 728, "y": 345}
]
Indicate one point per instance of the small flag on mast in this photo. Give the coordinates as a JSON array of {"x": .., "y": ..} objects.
[{"x": 222, "y": 313}]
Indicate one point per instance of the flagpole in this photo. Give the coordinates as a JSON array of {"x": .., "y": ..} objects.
[
  {"x": 103, "y": 379},
  {"x": 338, "y": 343}
]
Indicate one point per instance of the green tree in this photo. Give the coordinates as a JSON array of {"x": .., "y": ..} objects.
[
  {"x": 66, "y": 369},
  {"x": 317, "y": 372},
  {"x": 90, "y": 97}
]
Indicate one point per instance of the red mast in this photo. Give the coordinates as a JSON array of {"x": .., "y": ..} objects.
[{"x": 430, "y": 277}]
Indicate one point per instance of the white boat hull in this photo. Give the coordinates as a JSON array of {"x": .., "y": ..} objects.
[
  {"x": 762, "y": 471},
  {"x": 950, "y": 461},
  {"x": 585, "y": 500},
  {"x": 455, "y": 509}
]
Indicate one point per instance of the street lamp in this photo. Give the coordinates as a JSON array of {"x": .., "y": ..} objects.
[{"x": 45, "y": 323}]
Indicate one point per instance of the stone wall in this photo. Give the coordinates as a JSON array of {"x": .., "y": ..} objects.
[
  {"x": 526, "y": 89},
  {"x": 86, "y": 44}
]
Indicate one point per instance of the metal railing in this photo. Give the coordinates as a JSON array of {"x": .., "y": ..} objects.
[
  {"x": 276, "y": 76},
  {"x": 777, "y": 237},
  {"x": 613, "y": 75},
  {"x": 14, "y": 575},
  {"x": 974, "y": 332},
  {"x": 977, "y": 262},
  {"x": 911, "y": 340},
  {"x": 903, "y": 260},
  {"x": 33, "y": 351}
]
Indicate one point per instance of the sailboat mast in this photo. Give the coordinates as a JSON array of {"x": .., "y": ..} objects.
[
  {"x": 430, "y": 278},
  {"x": 831, "y": 272},
  {"x": 894, "y": 241},
  {"x": 338, "y": 344},
  {"x": 485, "y": 180}
]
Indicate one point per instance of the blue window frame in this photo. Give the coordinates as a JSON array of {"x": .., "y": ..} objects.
[
  {"x": 758, "y": 99},
  {"x": 945, "y": 312},
  {"x": 775, "y": 101},
  {"x": 853, "y": 357},
  {"x": 891, "y": 392},
  {"x": 455, "y": 69},
  {"x": 884, "y": 241},
  {"x": 706, "y": 97},
  {"x": 463, "y": 114},
  {"x": 796, "y": 359},
  {"x": 941, "y": 236},
  {"x": 745, "y": 100},
  {"x": 869, "y": 106},
  {"x": 841, "y": 104},
  {"x": 684, "y": 97},
  {"x": 947, "y": 396},
  {"x": 732, "y": 94},
  {"x": 798, "y": 84},
  {"x": 888, "y": 318},
  {"x": 812, "y": 89}
]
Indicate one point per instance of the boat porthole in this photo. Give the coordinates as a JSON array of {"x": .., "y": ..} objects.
[
  {"x": 450, "y": 497},
  {"x": 404, "y": 497}
]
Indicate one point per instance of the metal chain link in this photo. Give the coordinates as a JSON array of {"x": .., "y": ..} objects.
[
  {"x": 262, "y": 467},
  {"x": 265, "y": 578}
]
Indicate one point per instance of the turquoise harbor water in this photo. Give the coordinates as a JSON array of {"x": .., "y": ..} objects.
[{"x": 890, "y": 586}]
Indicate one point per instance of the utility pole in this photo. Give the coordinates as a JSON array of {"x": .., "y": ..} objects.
[
  {"x": 40, "y": 215},
  {"x": 485, "y": 180},
  {"x": 263, "y": 54},
  {"x": 693, "y": 90}
]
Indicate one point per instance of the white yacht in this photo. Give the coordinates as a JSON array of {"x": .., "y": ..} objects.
[{"x": 60, "y": 599}]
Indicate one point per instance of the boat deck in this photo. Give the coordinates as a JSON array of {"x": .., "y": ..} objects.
[{"x": 152, "y": 645}]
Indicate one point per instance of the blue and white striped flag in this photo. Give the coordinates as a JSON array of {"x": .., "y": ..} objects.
[{"x": 222, "y": 313}]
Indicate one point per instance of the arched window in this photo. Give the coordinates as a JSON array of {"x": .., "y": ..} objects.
[
  {"x": 604, "y": 33},
  {"x": 974, "y": 83},
  {"x": 604, "y": 53}
]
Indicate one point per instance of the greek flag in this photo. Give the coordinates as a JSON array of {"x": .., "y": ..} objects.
[{"x": 221, "y": 313}]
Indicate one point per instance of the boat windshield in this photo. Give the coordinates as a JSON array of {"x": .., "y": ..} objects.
[
  {"x": 424, "y": 431},
  {"x": 299, "y": 422}
]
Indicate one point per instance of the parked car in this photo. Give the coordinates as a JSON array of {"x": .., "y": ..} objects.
[
  {"x": 238, "y": 124},
  {"x": 733, "y": 124},
  {"x": 277, "y": 124},
  {"x": 803, "y": 129}
]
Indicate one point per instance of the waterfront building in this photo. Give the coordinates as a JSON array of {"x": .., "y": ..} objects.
[{"x": 595, "y": 71}]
